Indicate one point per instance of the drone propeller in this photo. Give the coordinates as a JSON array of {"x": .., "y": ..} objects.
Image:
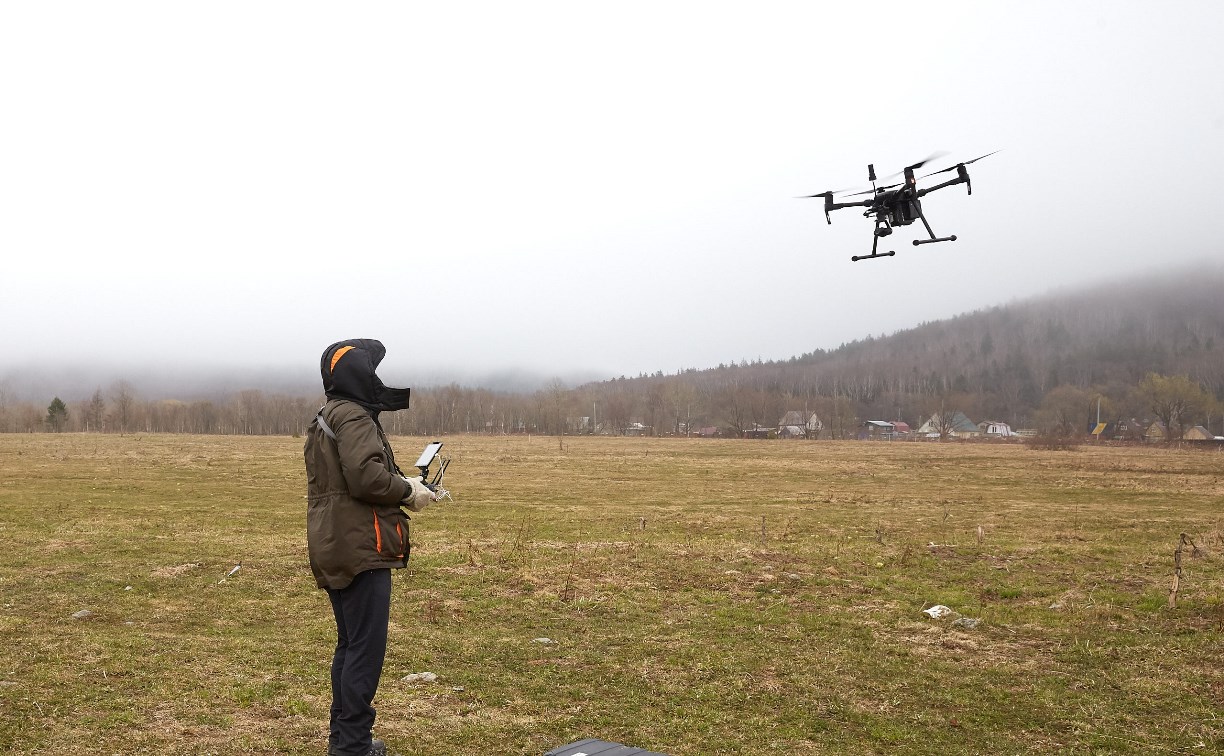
[
  {"x": 967, "y": 162},
  {"x": 933, "y": 156},
  {"x": 829, "y": 193}
]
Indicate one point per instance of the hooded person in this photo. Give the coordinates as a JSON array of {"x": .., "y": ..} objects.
[{"x": 356, "y": 529}]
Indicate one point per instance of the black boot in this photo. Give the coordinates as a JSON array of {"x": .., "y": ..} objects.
[{"x": 377, "y": 748}]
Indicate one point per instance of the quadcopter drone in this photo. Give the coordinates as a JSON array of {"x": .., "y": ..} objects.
[{"x": 897, "y": 204}]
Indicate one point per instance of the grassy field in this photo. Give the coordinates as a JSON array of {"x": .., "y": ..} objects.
[{"x": 701, "y": 597}]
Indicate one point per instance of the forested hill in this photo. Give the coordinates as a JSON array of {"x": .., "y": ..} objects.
[
  {"x": 999, "y": 363},
  {"x": 1105, "y": 336}
]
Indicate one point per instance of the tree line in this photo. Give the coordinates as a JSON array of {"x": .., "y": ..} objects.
[
  {"x": 734, "y": 400},
  {"x": 1145, "y": 350}
]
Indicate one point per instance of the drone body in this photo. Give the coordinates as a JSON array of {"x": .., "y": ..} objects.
[{"x": 898, "y": 204}]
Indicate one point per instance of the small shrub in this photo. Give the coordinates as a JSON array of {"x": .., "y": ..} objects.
[{"x": 1052, "y": 442}]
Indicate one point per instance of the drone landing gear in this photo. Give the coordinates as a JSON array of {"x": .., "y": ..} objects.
[
  {"x": 881, "y": 230},
  {"x": 933, "y": 238},
  {"x": 873, "y": 255}
]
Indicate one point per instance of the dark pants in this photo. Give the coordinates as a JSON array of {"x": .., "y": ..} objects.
[{"x": 362, "y": 611}]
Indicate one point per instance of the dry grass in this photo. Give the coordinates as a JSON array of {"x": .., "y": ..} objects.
[{"x": 703, "y": 597}]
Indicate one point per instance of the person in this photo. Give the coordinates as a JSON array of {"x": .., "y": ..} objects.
[{"x": 356, "y": 530}]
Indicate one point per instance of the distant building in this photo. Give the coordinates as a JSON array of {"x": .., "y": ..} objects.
[
  {"x": 884, "y": 430},
  {"x": 1198, "y": 433},
  {"x": 814, "y": 426},
  {"x": 637, "y": 429},
  {"x": 793, "y": 417},
  {"x": 876, "y": 430},
  {"x": 1155, "y": 432},
  {"x": 807, "y": 427},
  {"x": 995, "y": 429},
  {"x": 955, "y": 425},
  {"x": 760, "y": 431},
  {"x": 1125, "y": 430}
]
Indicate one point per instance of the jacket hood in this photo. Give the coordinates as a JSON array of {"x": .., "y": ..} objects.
[{"x": 348, "y": 373}]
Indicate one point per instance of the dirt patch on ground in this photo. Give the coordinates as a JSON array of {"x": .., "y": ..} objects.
[{"x": 175, "y": 571}]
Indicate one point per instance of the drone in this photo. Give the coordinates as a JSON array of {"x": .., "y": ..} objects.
[{"x": 897, "y": 204}]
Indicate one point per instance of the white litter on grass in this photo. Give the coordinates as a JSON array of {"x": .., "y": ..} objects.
[
  {"x": 938, "y": 611},
  {"x": 416, "y": 677},
  {"x": 543, "y": 641},
  {"x": 230, "y": 574},
  {"x": 83, "y": 614}
]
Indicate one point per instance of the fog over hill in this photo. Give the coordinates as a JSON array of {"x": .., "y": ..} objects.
[
  {"x": 73, "y": 382},
  {"x": 1113, "y": 332},
  {"x": 1109, "y": 334}
]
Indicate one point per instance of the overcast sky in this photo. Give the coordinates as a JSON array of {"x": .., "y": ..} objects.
[{"x": 575, "y": 188}]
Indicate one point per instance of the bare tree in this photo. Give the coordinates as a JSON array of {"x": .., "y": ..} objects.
[
  {"x": 95, "y": 412},
  {"x": 1065, "y": 412},
  {"x": 122, "y": 399},
  {"x": 680, "y": 398}
]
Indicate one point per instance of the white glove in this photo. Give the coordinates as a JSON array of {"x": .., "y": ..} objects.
[{"x": 419, "y": 496}]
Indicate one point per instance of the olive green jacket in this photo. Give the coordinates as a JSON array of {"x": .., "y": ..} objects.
[{"x": 353, "y": 520}]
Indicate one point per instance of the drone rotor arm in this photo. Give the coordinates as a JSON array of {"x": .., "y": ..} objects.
[
  {"x": 951, "y": 182},
  {"x": 860, "y": 203},
  {"x": 874, "y": 191}
]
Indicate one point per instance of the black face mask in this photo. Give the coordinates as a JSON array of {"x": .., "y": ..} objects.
[{"x": 348, "y": 373}]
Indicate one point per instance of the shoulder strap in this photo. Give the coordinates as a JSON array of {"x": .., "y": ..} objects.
[
  {"x": 327, "y": 431},
  {"x": 323, "y": 426}
]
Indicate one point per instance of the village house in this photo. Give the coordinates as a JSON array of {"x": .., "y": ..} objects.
[
  {"x": 759, "y": 431},
  {"x": 794, "y": 424},
  {"x": 876, "y": 430},
  {"x": 884, "y": 430},
  {"x": 1198, "y": 433},
  {"x": 956, "y": 426},
  {"x": 1155, "y": 432},
  {"x": 637, "y": 429},
  {"x": 995, "y": 429},
  {"x": 1125, "y": 430}
]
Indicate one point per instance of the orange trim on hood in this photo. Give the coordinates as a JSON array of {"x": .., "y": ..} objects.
[{"x": 336, "y": 357}]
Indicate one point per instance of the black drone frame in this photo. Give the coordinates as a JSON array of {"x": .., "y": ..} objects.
[{"x": 899, "y": 204}]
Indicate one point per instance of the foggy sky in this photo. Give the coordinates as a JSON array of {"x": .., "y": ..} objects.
[{"x": 581, "y": 190}]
